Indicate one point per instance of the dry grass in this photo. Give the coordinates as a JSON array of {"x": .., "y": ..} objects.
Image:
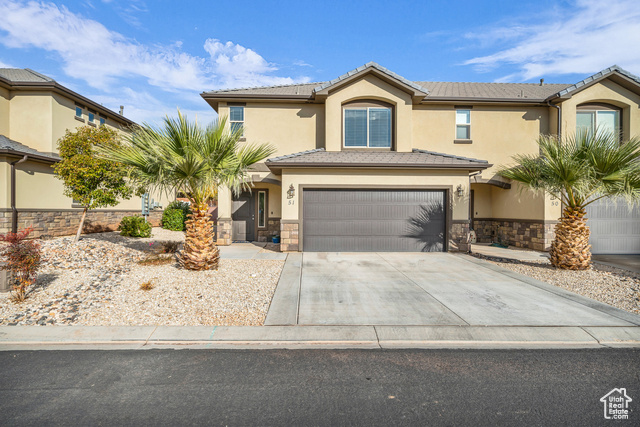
[
  {"x": 147, "y": 286},
  {"x": 155, "y": 260}
]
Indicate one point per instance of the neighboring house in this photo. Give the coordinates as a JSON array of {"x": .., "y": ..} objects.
[
  {"x": 371, "y": 161},
  {"x": 35, "y": 112}
]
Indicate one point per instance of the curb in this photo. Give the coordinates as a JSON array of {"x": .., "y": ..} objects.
[{"x": 314, "y": 337}]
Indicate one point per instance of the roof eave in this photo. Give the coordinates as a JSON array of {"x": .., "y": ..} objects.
[
  {"x": 278, "y": 166},
  {"x": 472, "y": 100},
  {"x": 16, "y": 153}
]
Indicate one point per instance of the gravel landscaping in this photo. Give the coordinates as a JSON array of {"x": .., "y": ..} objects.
[
  {"x": 613, "y": 286},
  {"x": 98, "y": 282}
]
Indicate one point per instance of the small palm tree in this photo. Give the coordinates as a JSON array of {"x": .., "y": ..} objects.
[
  {"x": 579, "y": 170},
  {"x": 182, "y": 156}
]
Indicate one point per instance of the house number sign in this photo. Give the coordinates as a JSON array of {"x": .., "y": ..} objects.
[{"x": 291, "y": 192}]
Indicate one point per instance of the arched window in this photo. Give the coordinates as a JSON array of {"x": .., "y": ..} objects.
[
  {"x": 367, "y": 124},
  {"x": 598, "y": 117}
]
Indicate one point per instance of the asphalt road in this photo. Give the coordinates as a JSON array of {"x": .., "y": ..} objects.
[{"x": 315, "y": 387}]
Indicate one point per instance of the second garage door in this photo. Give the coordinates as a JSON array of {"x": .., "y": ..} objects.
[
  {"x": 374, "y": 220},
  {"x": 615, "y": 228}
]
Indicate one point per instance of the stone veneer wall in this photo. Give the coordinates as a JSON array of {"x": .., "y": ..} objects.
[
  {"x": 65, "y": 222},
  {"x": 289, "y": 237},
  {"x": 223, "y": 232},
  {"x": 458, "y": 240},
  {"x": 536, "y": 235},
  {"x": 272, "y": 229}
]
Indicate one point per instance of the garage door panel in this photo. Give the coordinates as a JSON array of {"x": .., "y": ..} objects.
[
  {"x": 373, "y": 220},
  {"x": 615, "y": 228}
]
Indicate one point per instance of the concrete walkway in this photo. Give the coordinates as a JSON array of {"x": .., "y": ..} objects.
[
  {"x": 427, "y": 289},
  {"x": 253, "y": 250},
  {"x": 625, "y": 262},
  {"x": 508, "y": 253},
  {"x": 298, "y": 337}
]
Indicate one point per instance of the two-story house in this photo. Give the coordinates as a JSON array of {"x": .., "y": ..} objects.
[
  {"x": 35, "y": 112},
  {"x": 371, "y": 161}
]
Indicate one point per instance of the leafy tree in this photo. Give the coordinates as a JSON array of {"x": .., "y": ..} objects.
[
  {"x": 182, "y": 156},
  {"x": 91, "y": 181},
  {"x": 579, "y": 170}
]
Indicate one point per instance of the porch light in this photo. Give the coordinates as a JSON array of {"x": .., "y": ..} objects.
[
  {"x": 459, "y": 190},
  {"x": 291, "y": 192}
]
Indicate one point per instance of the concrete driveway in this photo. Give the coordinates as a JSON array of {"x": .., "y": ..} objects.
[{"x": 318, "y": 288}]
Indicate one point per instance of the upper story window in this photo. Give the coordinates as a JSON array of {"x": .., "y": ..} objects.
[
  {"x": 463, "y": 124},
  {"x": 601, "y": 118},
  {"x": 368, "y": 127},
  {"x": 79, "y": 112},
  {"x": 92, "y": 117},
  {"x": 236, "y": 119},
  {"x": 102, "y": 121}
]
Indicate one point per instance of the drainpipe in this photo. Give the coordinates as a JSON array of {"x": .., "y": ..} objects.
[
  {"x": 14, "y": 211},
  {"x": 559, "y": 117}
]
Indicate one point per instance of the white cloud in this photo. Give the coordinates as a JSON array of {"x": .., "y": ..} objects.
[
  {"x": 301, "y": 63},
  {"x": 99, "y": 56},
  {"x": 586, "y": 37}
]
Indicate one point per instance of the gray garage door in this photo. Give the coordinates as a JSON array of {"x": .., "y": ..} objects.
[
  {"x": 373, "y": 220},
  {"x": 615, "y": 229}
]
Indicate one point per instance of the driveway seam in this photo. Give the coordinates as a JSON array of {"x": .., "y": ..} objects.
[
  {"x": 554, "y": 290},
  {"x": 299, "y": 288},
  {"x": 423, "y": 289}
]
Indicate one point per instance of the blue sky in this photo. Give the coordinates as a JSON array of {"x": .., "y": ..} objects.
[{"x": 156, "y": 56}]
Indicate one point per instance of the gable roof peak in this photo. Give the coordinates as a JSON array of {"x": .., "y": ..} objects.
[
  {"x": 417, "y": 89},
  {"x": 595, "y": 78}
]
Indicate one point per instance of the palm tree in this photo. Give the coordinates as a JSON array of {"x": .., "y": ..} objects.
[
  {"x": 182, "y": 156},
  {"x": 579, "y": 170}
]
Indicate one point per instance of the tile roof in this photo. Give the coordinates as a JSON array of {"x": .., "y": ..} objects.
[
  {"x": 16, "y": 75},
  {"x": 17, "y": 148},
  {"x": 599, "y": 76},
  {"x": 376, "y": 66},
  {"x": 454, "y": 90},
  {"x": 390, "y": 159}
]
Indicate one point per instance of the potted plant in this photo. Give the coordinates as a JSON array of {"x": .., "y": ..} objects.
[{"x": 275, "y": 238}]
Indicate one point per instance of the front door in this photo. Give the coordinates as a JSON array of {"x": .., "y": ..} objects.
[{"x": 243, "y": 215}]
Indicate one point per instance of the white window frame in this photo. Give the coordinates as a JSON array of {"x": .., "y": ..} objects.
[
  {"x": 80, "y": 110},
  {"x": 231, "y": 122},
  {"x": 595, "y": 112},
  {"x": 344, "y": 127},
  {"x": 467, "y": 125},
  {"x": 264, "y": 212}
]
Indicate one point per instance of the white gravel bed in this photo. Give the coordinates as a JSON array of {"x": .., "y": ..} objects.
[
  {"x": 613, "y": 286},
  {"x": 97, "y": 282}
]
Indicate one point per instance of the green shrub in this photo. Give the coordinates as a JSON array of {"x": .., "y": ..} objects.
[
  {"x": 175, "y": 215},
  {"x": 134, "y": 226}
]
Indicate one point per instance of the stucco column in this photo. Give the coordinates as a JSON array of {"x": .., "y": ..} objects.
[{"x": 223, "y": 231}]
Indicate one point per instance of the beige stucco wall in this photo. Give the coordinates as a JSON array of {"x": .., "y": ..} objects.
[
  {"x": 482, "y": 200},
  {"x": 371, "y": 177},
  {"x": 369, "y": 87},
  {"x": 5, "y": 110},
  {"x": 5, "y": 179},
  {"x": 608, "y": 92},
  {"x": 38, "y": 188},
  {"x": 31, "y": 119},
  {"x": 497, "y": 132},
  {"x": 290, "y": 128}
]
